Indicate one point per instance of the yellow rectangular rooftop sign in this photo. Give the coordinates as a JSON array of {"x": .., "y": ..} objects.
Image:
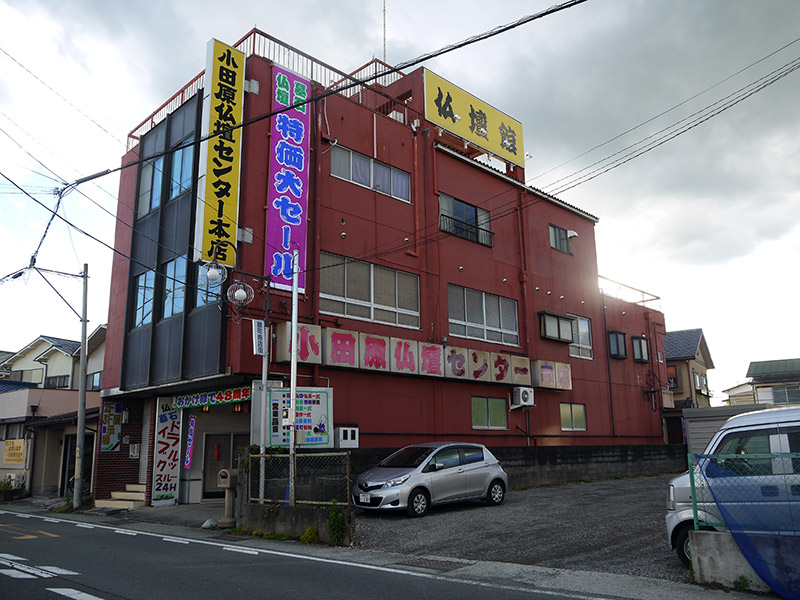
[{"x": 464, "y": 115}]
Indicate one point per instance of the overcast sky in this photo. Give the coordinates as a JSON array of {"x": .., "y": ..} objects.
[{"x": 707, "y": 221}]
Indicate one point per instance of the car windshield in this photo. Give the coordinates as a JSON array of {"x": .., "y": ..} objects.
[{"x": 412, "y": 456}]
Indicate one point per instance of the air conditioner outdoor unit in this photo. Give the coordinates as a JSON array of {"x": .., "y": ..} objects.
[
  {"x": 15, "y": 479},
  {"x": 522, "y": 396}
]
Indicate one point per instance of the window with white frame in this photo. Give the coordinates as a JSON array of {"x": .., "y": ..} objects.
[
  {"x": 362, "y": 170},
  {"x": 478, "y": 315},
  {"x": 489, "y": 413},
  {"x": 57, "y": 382},
  {"x": 616, "y": 345},
  {"x": 555, "y": 327},
  {"x": 94, "y": 381},
  {"x": 361, "y": 290},
  {"x": 174, "y": 288},
  {"x": 581, "y": 347},
  {"x": 640, "y": 352},
  {"x": 573, "y": 417},
  {"x": 144, "y": 287}
]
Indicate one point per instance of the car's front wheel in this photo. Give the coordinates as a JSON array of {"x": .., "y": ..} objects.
[
  {"x": 496, "y": 493},
  {"x": 683, "y": 546},
  {"x": 418, "y": 502}
]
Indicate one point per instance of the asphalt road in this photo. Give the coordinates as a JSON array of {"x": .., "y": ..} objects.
[
  {"x": 48, "y": 558},
  {"x": 613, "y": 526}
]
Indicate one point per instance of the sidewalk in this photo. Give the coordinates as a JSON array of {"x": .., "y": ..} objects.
[{"x": 186, "y": 521}]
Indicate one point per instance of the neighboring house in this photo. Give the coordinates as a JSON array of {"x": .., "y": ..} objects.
[
  {"x": 440, "y": 297},
  {"x": 775, "y": 381},
  {"x": 5, "y": 372},
  {"x": 688, "y": 363},
  {"x": 38, "y": 411},
  {"x": 740, "y": 394}
]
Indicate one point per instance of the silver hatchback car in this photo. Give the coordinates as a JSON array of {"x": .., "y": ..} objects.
[{"x": 418, "y": 476}]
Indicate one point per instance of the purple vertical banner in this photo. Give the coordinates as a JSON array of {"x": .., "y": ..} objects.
[
  {"x": 287, "y": 195},
  {"x": 187, "y": 462}
]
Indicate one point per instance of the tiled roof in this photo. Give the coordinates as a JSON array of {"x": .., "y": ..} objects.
[
  {"x": 682, "y": 344},
  {"x": 6, "y": 385},
  {"x": 774, "y": 368},
  {"x": 66, "y": 346}
]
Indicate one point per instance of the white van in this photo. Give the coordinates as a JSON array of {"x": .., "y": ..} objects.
[{"x": 773, "y": 483}]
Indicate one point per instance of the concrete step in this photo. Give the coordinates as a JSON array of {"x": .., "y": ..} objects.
[
  {"x": 120, "y": 504},
  {"x": 128, "y": 496},
  {"x": 135, "y": 487}
]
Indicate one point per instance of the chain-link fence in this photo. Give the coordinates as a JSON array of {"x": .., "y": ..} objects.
[
  {"x": 320, "y": 478},
  {"x": 757, "y": 498},
  {"x": 753, "y": 492}
]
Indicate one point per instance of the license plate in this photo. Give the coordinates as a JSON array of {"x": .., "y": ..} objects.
[{"x": 364, "y": 498}]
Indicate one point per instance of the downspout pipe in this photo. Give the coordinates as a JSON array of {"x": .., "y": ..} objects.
[{"x": 608, "y": 365}]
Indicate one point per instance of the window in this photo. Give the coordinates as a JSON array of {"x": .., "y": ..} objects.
[
  {"x": 464, "y": 220},
  {"x": 471, "y": 455},
  {"x": 150, "y": 181},
  {"x": 701, "y": 383},
  {"x": 362, "y": 290},
  {"x": 743, "y": 442},
  {"x": 13, "y": 431},
  {"x": 616, "y": 345},
  {"x": 360, "y": 169},
  {"x": 560, "y": 239},
  {"x": 2, "y": 432},
  {"x": 94, "y": 381},
  {"x": 482, "y": 316},
  {"x": 582, "y": 334},
  {"x": 573, "y": 417},
  {"x": 448, "y": 457},
  {"x": 207, "y": 292},
  {"x": 555, "y": 327},
  {"x": 174, "y": 287},
  {"x": 181, "y": 175},
  {"x": 672, "y": 377},
  {"x": 489, "y": 413},
  {"x": 639, "y": 345},
  {"x": 57, "y": 382},
  {"x": 779, "y": 394},
  {"x": 143, "y": 291}
]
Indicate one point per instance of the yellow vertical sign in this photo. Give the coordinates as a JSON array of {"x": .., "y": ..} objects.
[
  {"x": 218, "y": 202},
  {"x": 15, "y": 452},
  {"x": 470, "y": 118}
]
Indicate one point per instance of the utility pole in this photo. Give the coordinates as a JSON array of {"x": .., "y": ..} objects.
[{"x": 77, "y": 496}]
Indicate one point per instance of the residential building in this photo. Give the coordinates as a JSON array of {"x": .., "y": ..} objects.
[
  {"x": 688, "y": 362},
  {"x": 38, "y": 412},
  {"x": 740, "y": 394},
  {"x": 439, "y": 297},
  {"x": 775, "y": 381}
]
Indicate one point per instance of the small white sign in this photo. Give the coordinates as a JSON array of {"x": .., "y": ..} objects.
[{"x": 259, "y": 339}]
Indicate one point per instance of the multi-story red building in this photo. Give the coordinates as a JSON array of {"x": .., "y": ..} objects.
[{"x": 440, "y": 297}]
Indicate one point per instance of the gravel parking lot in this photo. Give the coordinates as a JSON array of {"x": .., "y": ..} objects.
[{"x": 614, "y": 526}]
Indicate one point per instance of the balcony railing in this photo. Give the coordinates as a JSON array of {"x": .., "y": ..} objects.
[{"x": 467, "y": 231}]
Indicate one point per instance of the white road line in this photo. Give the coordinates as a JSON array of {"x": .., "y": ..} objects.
[
  {"x": 23, "y": 516},
  {"x": 74, "y": 594},
  {"x": 17, "y": 574},
  {"x": 52, "y": 520},
  {"x": 240, "y": 550},
  {"x": 12, "y": 557},
  {"x": 33, "y": 571},
  {"x": 175, "y": 541},
  {"x": 58, "y": 571},
  {"x": 355, "y": 565},
  {"x": 85, "y": 526}
]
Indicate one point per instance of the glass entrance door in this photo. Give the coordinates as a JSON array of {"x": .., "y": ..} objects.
[{"x": 220, "y": 452}]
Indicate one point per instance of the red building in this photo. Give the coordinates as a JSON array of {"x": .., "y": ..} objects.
[{"x": 442, "y": 298}]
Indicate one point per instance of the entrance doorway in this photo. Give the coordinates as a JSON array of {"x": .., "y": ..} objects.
[
  {"x": 220, "y": 452},
  {"x": 67, "y": 483}
]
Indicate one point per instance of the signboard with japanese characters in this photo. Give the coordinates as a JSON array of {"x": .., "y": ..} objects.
[
  {"x": 226, "y": 396},
  {"x": 287, "y": 194},
  {"x": 404, "y": 356},
  {"x": 455, "y": 362},
  {"x": 520, "y": 370},
  {"x": 15, "y": 452},
  {"x": 218, "y": 178},
  {"x": 464, "y": 115},
  {"x": 374, "y": 354},
  {"x": 309, "y": 343},
  {"x": 111, "y": 427},
  {"x": 552, "y": 375},
  {"x": 339, "y": 348},
  {"x": 313, "y": 417},
  {"x": 166, "y": 453}
]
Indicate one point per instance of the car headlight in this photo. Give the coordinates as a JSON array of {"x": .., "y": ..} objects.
[
  {"x": 671, "y": 498},
  {"x": 397, "y": 481}
]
